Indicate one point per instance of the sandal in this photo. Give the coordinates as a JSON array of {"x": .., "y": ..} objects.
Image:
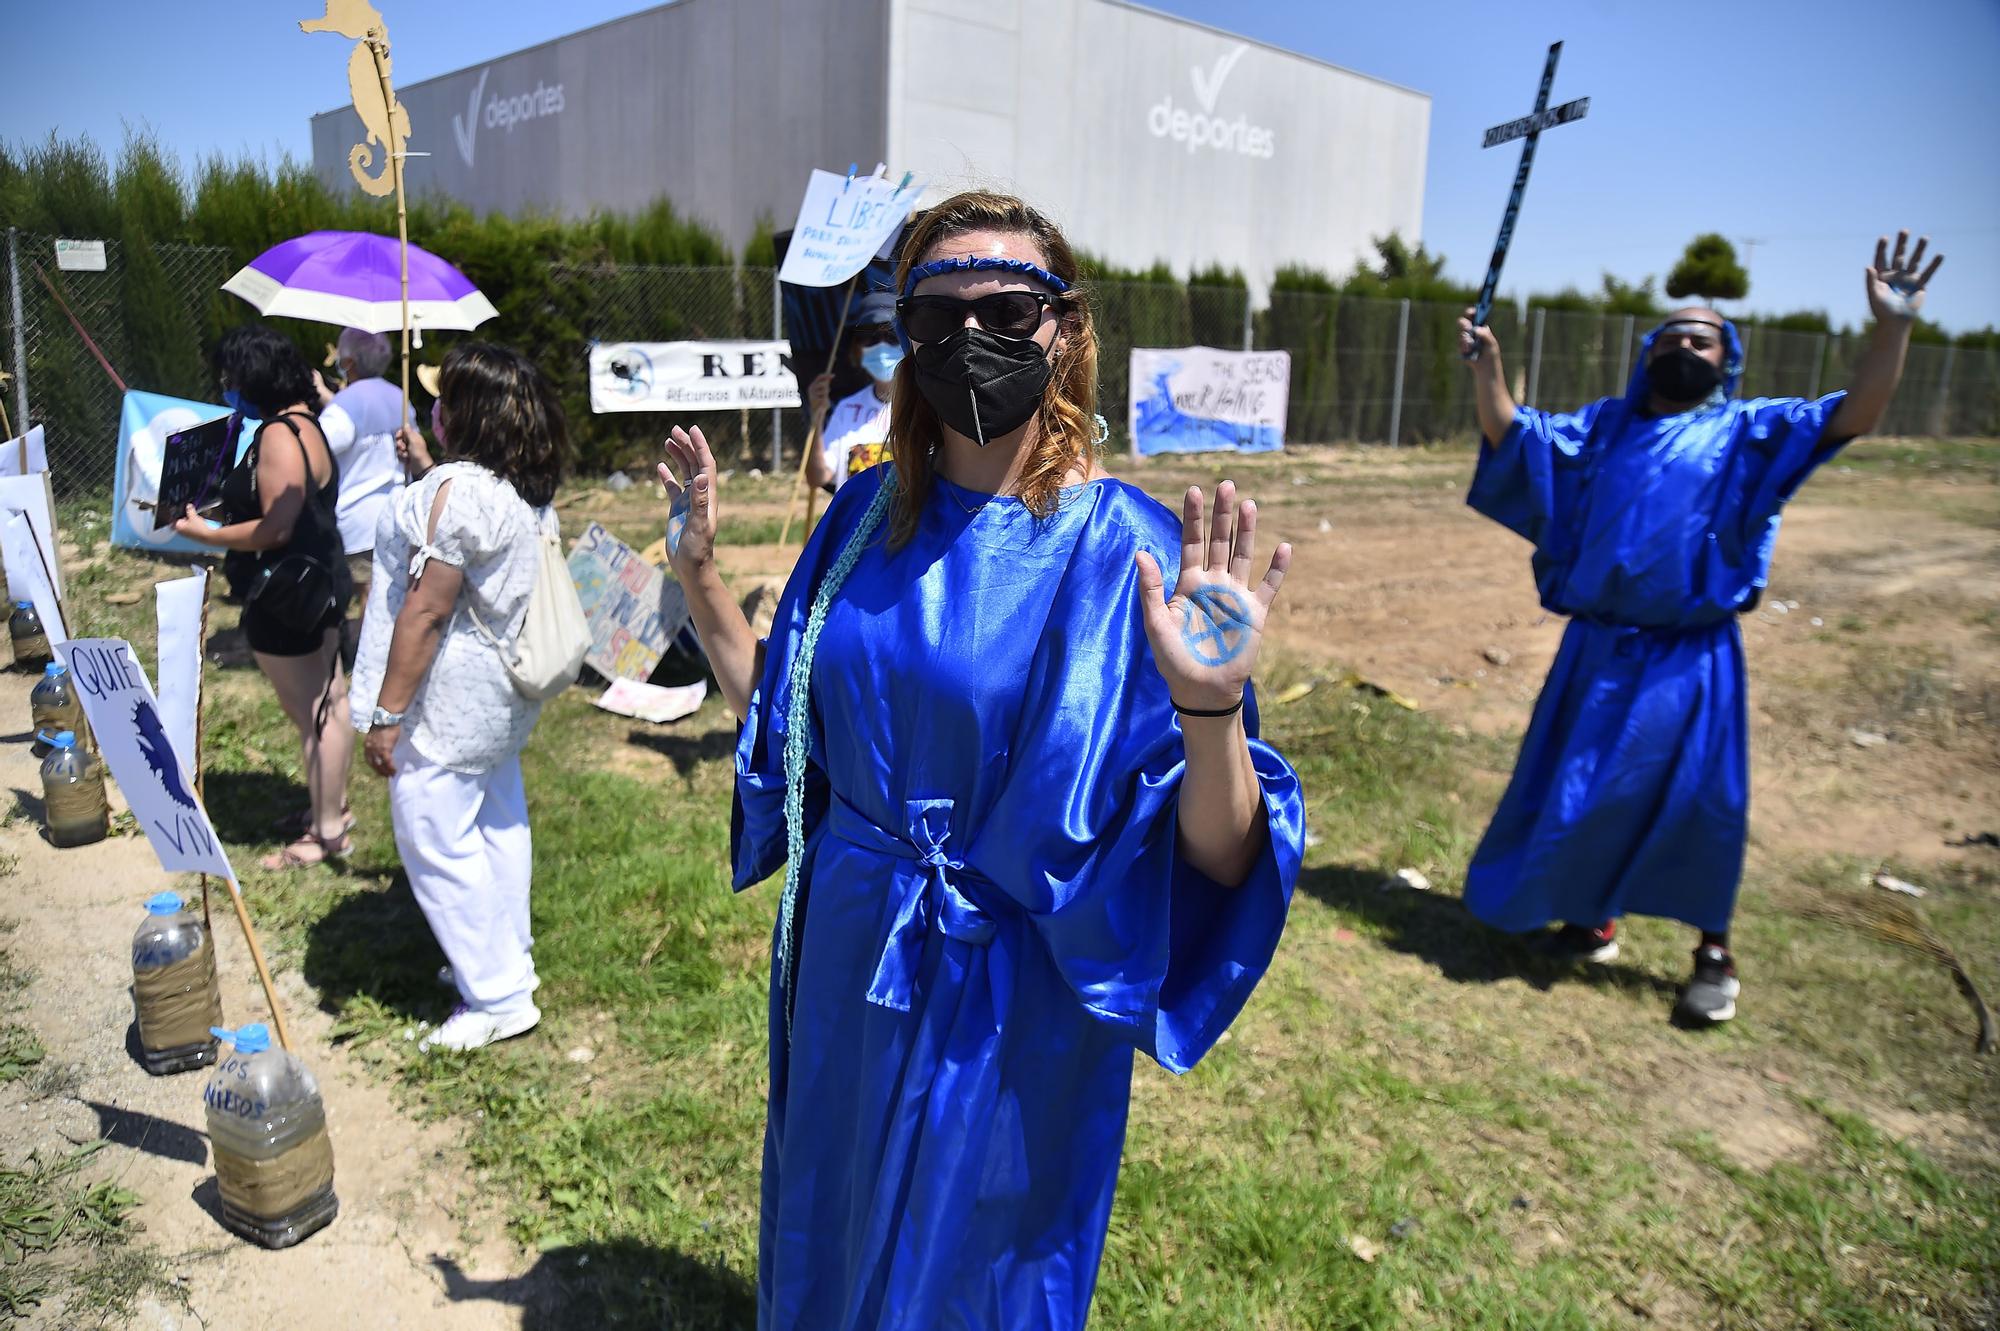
[
  {"x": 296, "y": 825},
  {"x": 298, "y": 856}
]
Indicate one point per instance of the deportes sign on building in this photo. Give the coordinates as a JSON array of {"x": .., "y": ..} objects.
[
  {"x": 1200, "y": 127},
  {"x": 691, "y": 376}
]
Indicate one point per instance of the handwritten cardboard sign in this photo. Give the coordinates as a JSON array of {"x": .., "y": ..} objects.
[
  {"x": 843, "y": 222},
  {"x": 192, "y": 464},
  {"x": 1201, "y": 399},
  {"x": 634, "y": 609},
  {"x": 125, "y": 718}
]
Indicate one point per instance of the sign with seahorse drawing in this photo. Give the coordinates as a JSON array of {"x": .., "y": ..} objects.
[
  {"x": 155, "y": 780},
  {"x": 382, "y": 115}
]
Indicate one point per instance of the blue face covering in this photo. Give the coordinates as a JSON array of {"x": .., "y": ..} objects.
[
  {"x": 233, "y": 399},
  {"x": 881, "y": 360}
]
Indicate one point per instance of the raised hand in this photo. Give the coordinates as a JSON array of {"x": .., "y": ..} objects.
[
  {"x": 1206, "y": 639},
  {"x": 1895, "y": 285},
  {"x": 692, "y": 516},
  {"x": 1476, "y": 343}
]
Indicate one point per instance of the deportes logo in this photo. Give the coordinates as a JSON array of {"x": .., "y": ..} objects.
[
  {"x": 1202, "y": 128},
  {"x": 502, "y": 112}
]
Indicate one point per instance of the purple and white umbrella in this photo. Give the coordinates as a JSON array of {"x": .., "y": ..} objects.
[{"x": 353, "y": 278}]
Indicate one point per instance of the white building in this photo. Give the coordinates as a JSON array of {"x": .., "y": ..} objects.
[{"x": 1146, "y": 136}]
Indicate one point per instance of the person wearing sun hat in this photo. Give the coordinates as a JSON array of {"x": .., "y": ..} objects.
[{"x": 856, "y": 433}]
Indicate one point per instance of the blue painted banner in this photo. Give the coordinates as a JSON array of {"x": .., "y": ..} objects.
[
  {"x": 143, "y": 426},
  {"x": 1204, "y": 400}
]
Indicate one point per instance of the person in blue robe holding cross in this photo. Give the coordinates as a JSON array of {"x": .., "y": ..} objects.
[{"x": 1653, "y": 517}]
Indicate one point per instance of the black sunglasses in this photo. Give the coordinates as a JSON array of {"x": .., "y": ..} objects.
[
  {"x": 868, "y": 335},
  {"x": 1008, "y": 313}
]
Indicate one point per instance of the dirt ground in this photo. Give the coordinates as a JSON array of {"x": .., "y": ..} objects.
[
  {"x": 1889, "y": 583},
  {"x": 403, "y": 1199}
]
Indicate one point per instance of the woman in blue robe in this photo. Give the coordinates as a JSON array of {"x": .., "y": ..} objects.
[
  {"x": 1026, "y": 826},
  {"x": 1653, "y": 518}
]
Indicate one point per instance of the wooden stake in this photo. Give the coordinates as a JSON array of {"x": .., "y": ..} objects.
[
  {"x": 813, "y": 435},
  {"x": 263, "y": 971},
  {"x": 378, "y": 47}
]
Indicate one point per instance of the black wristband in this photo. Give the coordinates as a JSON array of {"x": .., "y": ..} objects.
[{"x": 1230, "y": 710}]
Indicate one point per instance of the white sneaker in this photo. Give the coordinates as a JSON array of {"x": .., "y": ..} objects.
[{"x": 470, "y": 1029}]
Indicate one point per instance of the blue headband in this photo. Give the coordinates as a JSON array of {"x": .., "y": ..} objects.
[
  {"x": 1022, "y": 266},
  {"x": 962, "y": 264}
]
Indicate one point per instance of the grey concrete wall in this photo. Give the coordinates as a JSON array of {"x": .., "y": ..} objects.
[
  {"x": 1154, "y": 138},
  {"x": 1148, "y": 136},
  {"x": 724, "y": 106}
]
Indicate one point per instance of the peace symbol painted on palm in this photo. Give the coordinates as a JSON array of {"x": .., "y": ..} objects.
[{"x": 1218, "y": 625}]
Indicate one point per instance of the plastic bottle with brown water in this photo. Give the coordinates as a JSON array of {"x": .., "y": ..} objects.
[
  {"x": 273, "y": 1161},
  {"x": 73, "y": 794},
  {"x": 24, "y": 631},
  {"x": 175, "y": 997},
  {"x": 55, "y": 707}
]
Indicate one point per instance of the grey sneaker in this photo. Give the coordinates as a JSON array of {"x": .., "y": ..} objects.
[{"x": 1710, "y": 996}]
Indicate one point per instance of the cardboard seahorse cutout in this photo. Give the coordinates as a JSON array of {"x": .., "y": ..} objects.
[{"x": 388, "y": 125}]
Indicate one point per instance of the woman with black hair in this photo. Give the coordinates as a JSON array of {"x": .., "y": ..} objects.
[
  {"x": 456, "y": 554},
  {"x": 278, "y": 508}
]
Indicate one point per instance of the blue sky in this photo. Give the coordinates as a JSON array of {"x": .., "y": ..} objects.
[{"x": 1810, "y": 125}]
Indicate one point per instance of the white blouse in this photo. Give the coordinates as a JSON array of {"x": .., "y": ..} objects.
[{"x": 488, "y": 531}]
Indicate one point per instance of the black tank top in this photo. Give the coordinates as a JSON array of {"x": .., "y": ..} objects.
[{"x": 317, "y": 531}]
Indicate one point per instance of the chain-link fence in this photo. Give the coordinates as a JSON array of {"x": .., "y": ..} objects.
[
  {"x": 72, "y": 336},
  {"x": 1362, "y": 370}
]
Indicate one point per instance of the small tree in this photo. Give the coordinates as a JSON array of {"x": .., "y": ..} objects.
[{"x": 1708, "y": 269}]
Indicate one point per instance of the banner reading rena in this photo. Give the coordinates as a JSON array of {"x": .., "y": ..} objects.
[
  {"x": 1201, "y": 400},
  {"x": 691, "y": 376}
]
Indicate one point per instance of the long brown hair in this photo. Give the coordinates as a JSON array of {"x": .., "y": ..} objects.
[
  {"x": 501, "y": 413},
  {"x": 1064, "y": 435}
]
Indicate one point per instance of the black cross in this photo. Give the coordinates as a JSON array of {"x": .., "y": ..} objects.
[{"x": 1529, "y": 128}]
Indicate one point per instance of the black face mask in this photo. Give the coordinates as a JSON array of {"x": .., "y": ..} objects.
[
  {"x": 1682, "y": 376},
  {"x": 981, "y": 384}
]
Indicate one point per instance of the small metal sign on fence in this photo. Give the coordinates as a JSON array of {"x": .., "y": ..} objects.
[{"x": 80, "y": 256}]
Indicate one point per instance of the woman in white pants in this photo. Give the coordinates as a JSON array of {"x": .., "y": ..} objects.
[{"x": 455, "y": 558}]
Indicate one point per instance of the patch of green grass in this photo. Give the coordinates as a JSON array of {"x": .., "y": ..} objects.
[
  {"x": 61, "y": 1236},
  {"x": 1514, "y": 1145}
]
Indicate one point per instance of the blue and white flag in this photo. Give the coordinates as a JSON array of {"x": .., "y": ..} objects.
[{"x": 143, "y": 426}]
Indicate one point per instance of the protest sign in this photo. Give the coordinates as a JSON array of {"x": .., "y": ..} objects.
[
  {"x": 30, "y": 565},
  {"x": 30, "y": 497},
  {"x": 133, "y": 739},
  {"x": 652, "y": 702},
  {"x": 192, "y": 464},
  {"x": 144, "y": 422},
  {"x": 30, "y": 448},
  {"x": 634, "y": 609},
  {"x": 843, "y": 222},
  {"x": 1199, "y": 399},
  {"x": 691, "y": 376},
  {"x": 178, "y": 606}
]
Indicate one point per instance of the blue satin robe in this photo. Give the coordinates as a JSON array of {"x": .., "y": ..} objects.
[
  {"x": 1632, "y": 791},
  {"x": 995, "y": 911}
]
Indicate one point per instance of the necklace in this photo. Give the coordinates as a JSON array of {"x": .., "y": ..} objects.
[{"x": 952, "y": 489}]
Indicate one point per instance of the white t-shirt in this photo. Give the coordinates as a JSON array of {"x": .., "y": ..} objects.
[
  {"x": 360, "y": 427},
  {"x": 856, "y": 431},
  {"x": 479, "y": 719}
]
